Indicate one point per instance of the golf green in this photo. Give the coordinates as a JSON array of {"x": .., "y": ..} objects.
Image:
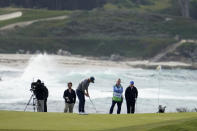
[{"x": 30, "y": 121}]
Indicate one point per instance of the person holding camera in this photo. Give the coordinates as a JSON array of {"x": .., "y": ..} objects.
[
  {"x": 70, "y": 98},
  {"x": 39, "y": 92},
  {"x": 46, "y": 94}
]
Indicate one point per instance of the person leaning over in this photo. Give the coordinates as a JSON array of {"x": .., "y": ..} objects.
[
  {"x": 131, "y": 95},
  {"x": 82, "y": 91},
  {"x": 117, "y": 97},
  {"x": 46, "y": 94},
  {"x": 70, "y": 98},
  {"x": 40, "y": 96}
]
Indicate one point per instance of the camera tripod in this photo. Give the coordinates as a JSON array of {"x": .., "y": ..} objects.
[{"x": 34, "y": 102}]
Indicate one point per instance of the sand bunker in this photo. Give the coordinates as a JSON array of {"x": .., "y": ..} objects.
[{"x": 11, "y": 16}]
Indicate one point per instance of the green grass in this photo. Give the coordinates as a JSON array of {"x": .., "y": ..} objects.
[
  {"x": 30, "y": 14},
  {"x": 151, "y": 5},
  {"x": 19, "y": 121},
  {"x": 157, "y": 6},
  {"x": 168, "y": 7}
]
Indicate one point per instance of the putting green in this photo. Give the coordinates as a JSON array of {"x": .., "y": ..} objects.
[{"x": 29, "y": 121}]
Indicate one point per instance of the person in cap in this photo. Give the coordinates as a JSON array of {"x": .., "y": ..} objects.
[
  {"x": 82, "y": 91},
  {"x": 161, "y": 109},
  {"x": 40, "y": 95},
  {"x": 46, "y": 95},
  {"x": 70, "y": 98},
  {"x": 131, "y": 95},
  {"x": 117, "y": 97}
]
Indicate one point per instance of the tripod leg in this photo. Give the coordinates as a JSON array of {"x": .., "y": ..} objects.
[{"x": 28, "y": 102}]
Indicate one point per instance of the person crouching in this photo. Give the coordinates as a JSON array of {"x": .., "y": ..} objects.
[
  {"x": 70, "y": 98},
  {"x": 40, "y": 95},
  {"x": 82, "y": 91}
]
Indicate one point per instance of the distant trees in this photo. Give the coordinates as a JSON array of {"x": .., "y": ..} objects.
[
  {"x": 193, "y": 9},
  {"x": 54, "y": 4},
  {"x": 184, "y": 7},
  {"x": 4, "y": 3},
  {"x": 70, "y": 4}
]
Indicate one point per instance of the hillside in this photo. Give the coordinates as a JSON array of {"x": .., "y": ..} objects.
[
  {"x": 130, "y": 33},
  {"x": 137, "y": 33},
  {"x": 18, "y": 121},
  {"x": 29, "y": 14}
]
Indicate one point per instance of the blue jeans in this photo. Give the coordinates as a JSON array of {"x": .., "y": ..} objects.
[{"x": 81, "y": 98}]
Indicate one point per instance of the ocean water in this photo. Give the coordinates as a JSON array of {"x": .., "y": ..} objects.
[{"x": 173, "y": 88}]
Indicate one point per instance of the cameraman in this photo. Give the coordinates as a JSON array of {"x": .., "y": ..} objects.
[
  {"x": 39, "y": 92},
  {"x": 46, "y": 94}
]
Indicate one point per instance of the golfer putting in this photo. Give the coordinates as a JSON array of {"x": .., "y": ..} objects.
[{"x": 82, "y": 91}]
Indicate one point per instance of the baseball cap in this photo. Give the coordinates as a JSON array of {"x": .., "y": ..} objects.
[
  {"x": 92, "y": 79},
  {"x": 132, "y": 82}
]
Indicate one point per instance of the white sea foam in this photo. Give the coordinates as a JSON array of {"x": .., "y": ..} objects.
[{"x": 177, "y": 87}]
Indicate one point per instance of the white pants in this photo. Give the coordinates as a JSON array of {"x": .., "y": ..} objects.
[{"x": 40, "y": 105}]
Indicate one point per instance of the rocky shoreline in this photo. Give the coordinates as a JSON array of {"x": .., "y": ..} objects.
[{"x": 21, "y": 60}]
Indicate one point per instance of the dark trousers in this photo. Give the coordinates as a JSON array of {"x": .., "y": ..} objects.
[
  {"x": 81, "y": 98},
  {"x": 130, "y": 107},
  {"x": 119, "y": 104},
  {"x": 45, "y": 105}
]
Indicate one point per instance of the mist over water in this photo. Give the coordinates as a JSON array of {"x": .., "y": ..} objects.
[{"x": 178, "y": 87}]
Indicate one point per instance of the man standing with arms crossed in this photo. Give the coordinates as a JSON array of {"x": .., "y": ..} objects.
[
  {"x": 82, "y": 91},
  {"x": 131, "y": 95},
  {"x": 70, "y": 98}
]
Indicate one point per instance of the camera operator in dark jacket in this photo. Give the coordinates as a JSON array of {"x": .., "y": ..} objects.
[
  {"x": 131, "y": 95},
  {"x": 46, "y": 94},
  {"x": 39, "y": 92},
  {"x": 70, "y": 98}
]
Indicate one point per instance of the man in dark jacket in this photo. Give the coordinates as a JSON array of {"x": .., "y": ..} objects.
[
  {"x": 70, "y": 98},
  {"x": 40, "y": 95},
  {"x": 46, "y": 94},
  {"x": 131, "y": 95}
]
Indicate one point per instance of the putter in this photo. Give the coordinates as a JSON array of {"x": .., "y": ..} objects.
[{"x": 93, "y": 105}]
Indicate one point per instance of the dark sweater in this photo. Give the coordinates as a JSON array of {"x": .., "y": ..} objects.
[
  {"x": 71, "y": 96},
  {"x": 39, "y": 92},
  {"x": 46, "y": 93},
  {"x": 131, "y": 94}
]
